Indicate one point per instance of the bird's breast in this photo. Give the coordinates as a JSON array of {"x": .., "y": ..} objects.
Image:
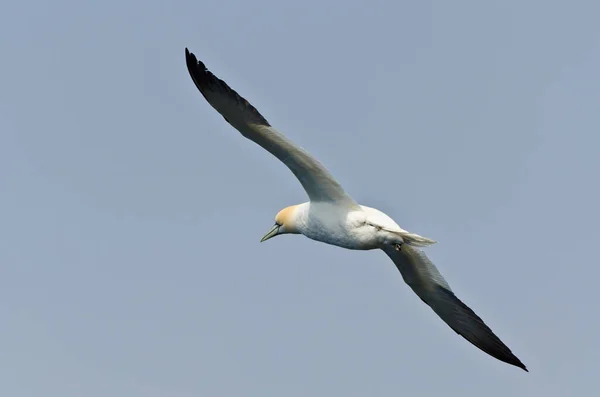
[{"x": 343, "y": 229}]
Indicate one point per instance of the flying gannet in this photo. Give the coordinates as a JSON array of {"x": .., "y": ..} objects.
[{"x": 331, "y": 216}]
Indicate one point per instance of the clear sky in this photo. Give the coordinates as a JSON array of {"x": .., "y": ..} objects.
[{"x": 131, "y": 212}]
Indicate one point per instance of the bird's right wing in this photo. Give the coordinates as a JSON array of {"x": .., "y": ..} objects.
[
  {"x": 318, "y": 183},
  {"x": 427, "y": 282}
]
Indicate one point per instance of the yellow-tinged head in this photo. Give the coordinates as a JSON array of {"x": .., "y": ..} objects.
[{"x": 285, "y": 222}]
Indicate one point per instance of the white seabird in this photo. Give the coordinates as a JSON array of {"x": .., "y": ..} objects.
[{"x": 331, "y": 216}]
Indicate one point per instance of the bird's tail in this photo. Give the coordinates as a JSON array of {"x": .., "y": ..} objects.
[{"x": 415, "y": 240}]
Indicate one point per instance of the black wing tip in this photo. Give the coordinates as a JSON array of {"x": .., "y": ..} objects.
[
  {"x": 499, "y": 350},
  {"x": 522, "y": 366},
  {"x": 518, "y": 363},
  {"x": 191, "y": 58},
  {"x": 513, "y": 360},
  {"x": 206, "y": 81},
  {"x": 195, "y": 67}
]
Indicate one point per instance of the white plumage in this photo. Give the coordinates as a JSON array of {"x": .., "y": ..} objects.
[{"x": 333, "y": 217}]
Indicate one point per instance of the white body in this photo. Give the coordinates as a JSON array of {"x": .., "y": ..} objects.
[{"x": 362, "y": 228}]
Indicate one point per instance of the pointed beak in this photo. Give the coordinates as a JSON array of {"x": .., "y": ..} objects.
[{"x": 272, "y": 233}]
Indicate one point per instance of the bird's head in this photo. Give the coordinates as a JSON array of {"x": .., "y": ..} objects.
[{"x": 285, "y": 222}]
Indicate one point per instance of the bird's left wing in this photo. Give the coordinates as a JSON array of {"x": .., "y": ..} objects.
[
  {"x": 318, "y": 183},
  {"x": 427, "y": 282}
]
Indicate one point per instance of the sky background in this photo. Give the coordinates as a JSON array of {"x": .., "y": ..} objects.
[{"x": 131, "y": 212}]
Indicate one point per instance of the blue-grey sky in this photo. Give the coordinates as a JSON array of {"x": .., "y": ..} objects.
[{"x": 130, "y": 211}]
